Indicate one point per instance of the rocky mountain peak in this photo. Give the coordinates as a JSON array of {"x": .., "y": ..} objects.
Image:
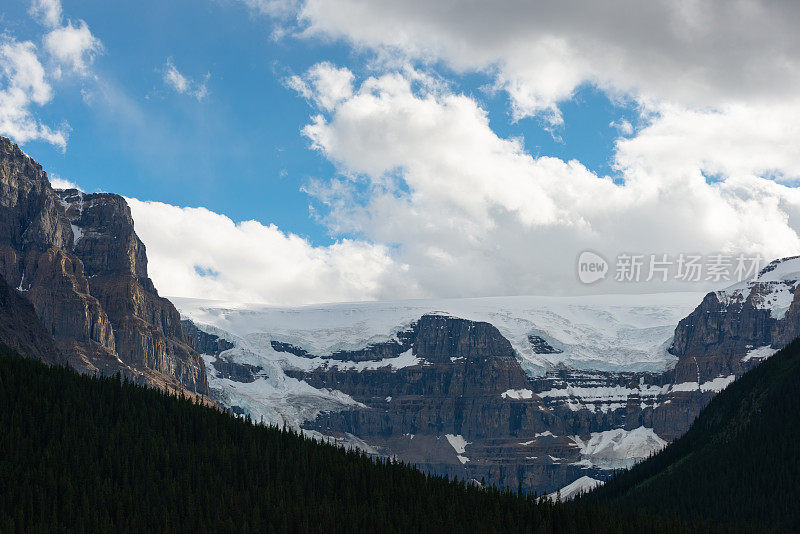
[
  {"x": 732, "y": 329},
  {"x": 439, "y": 338},
  {"x": 30, "y": 215},
  {"x": 103, "y": 233}
]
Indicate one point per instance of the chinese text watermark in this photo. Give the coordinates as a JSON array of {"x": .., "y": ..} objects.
[{"x": 592, "y": 267}]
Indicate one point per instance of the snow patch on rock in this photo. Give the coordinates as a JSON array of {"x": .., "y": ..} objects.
[
  {"x": 77, "y": 234},
  {"x": 517, "y": 394},
  {"x": 761, "y": 353},
  {"x": 716, "y": 385},
  {"x": 458, "y": 442},
  {"x": 619, "y": 448},
  {"x": 604, "y": 398}
]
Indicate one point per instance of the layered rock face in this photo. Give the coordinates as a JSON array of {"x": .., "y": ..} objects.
[
  {"x": 724, "y": 334},
  {"x": 466, "y": 407},
  {"x": 463, "y": 407},
  {"x": 77, "y": 259}
]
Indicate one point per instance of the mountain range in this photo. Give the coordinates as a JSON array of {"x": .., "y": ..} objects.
[{"x": 530, "y": 392}]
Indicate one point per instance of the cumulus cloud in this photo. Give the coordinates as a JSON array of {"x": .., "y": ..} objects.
[
  {"x": 443, "y": 206},
  {"x": 710, "y": 165},
  {"x": 324, "y": 84},
  {"x": 734, "y": 140},
  {"x": 70, "y": 45},
  {"x": 472, "y": 213},
  {"x": 73, "y": 46},
  {"x": 198, "y": 253},
  {"x": 184, "y": 85}
]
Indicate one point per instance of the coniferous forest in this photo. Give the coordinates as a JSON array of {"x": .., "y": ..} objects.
[{"x": 87, "y": 454}]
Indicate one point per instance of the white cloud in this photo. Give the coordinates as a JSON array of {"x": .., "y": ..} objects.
[
  {"x": 48, "y": 12},
  {"x": 196, "y": 252},
  {"x": 324, "y": 84},
  {"x": 73, "y": 46},
  {"x": 25, "y": 79},
  {"x": 731, "y": 141},
  {"x": 184, "y": 85},
  {"x": 70, "y": 45},
  {"x": 707, "y": 167},
  {"x": 624, "y": 126},
  {"x": 445, "y": 207},
  {"x": 471, "y": 213},
  {"x": 24, "y": 85}
]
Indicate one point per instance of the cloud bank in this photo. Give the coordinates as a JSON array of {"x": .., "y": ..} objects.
[
  {"x": 196, "y": 252},
  {"x": 698, "y": 54},
  {"x": 428, "y": 199},
  {"x": 443, "y": 206}
]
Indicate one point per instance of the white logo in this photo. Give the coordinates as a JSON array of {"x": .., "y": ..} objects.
[{"x": 591, "y": 267}]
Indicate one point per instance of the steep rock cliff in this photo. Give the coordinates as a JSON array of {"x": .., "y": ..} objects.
[{"x": 77, "y": 259}]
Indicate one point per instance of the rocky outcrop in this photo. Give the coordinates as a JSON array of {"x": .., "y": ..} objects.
[
  {"x": 717, "y": 337},
  {"x": 466, "y": 408},
  {"x": 35, "y": 256},
  {"x": 729, "y": 333},
  {"x": 213, "y": 346},
  {"x": 77, "y": 259},
  {"x": 21, "y": 330}
]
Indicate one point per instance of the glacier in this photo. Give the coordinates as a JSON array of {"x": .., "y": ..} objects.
[
  {"x": 607, "y": 333},
  {"x": 610, "y": 333}
]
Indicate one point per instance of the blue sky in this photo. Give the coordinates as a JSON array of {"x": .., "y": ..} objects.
[
  {"x": 401, "y": 148},
  {"x": 239, "y": 150}
]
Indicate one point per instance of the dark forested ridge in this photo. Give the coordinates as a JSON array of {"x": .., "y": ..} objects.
[
  {"x": 85, "y": 454},
  {"x": 739, "y": 462}
]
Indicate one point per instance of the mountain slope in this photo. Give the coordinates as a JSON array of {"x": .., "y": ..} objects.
[
  {"x": 95, "y": 454},
  {"x": 739, "y": 461}
]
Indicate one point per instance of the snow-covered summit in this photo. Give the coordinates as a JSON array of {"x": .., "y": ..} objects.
[
  {"x": 773, "y": 289},
  {"x": 781, "y": 270}
]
